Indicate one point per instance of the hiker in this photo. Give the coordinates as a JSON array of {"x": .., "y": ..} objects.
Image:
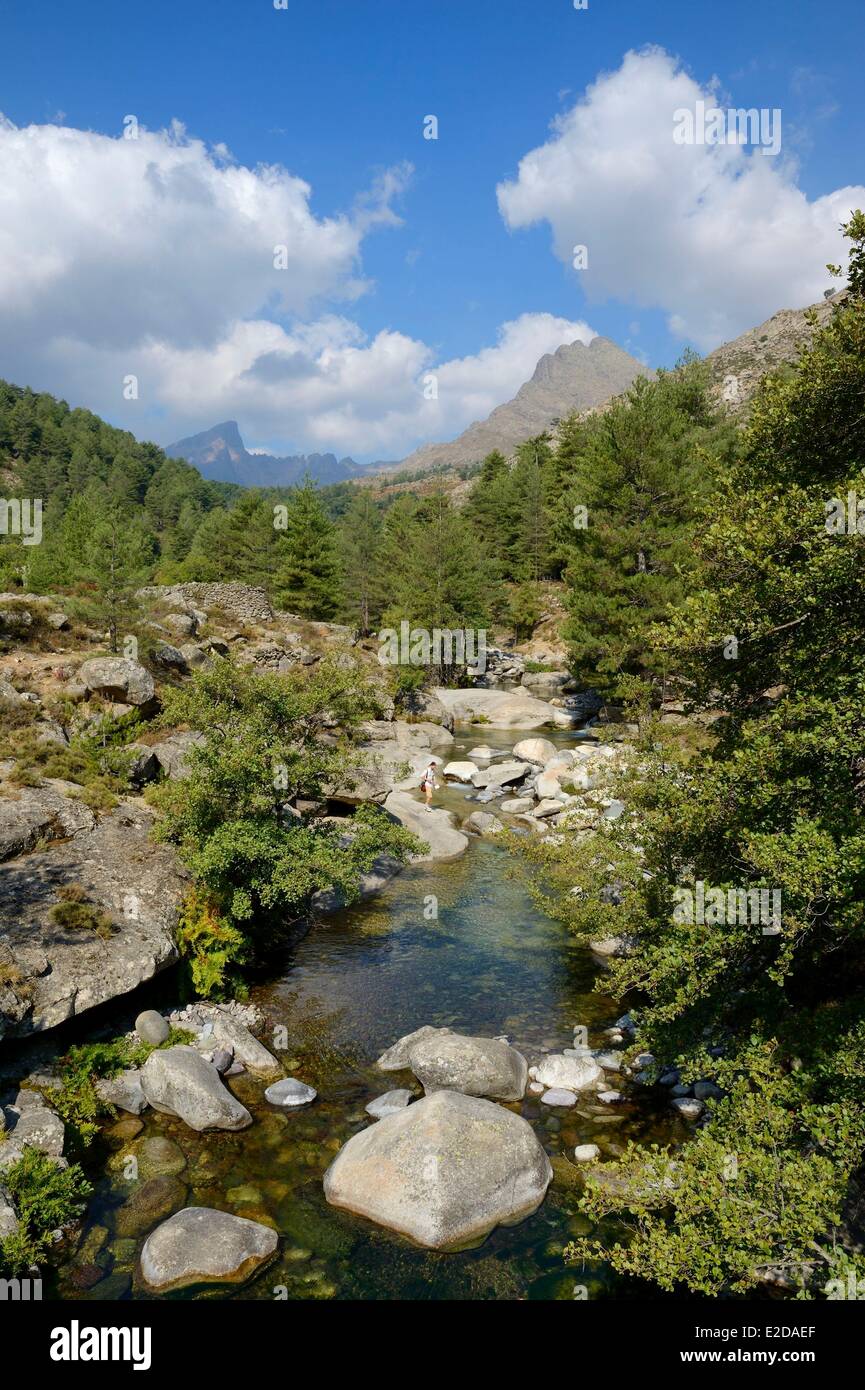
[{"x": 428, "y": 784}]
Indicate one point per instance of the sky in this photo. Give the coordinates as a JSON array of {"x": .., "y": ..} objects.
[{"x": 229, "y": 210}]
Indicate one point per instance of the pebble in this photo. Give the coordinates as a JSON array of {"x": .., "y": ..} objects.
[
  {"x": 609, "y": 1097},
  {"x": 688, "y": 1108},
  {"x": 587, "y": 1153}
]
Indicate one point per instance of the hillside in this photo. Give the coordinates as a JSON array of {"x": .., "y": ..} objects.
[{"x": 736, "y": 367}]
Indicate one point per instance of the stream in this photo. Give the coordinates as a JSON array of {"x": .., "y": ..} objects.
[{"x": 487, "y": 963}]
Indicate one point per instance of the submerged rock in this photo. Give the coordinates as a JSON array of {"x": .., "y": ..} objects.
[
  {"x": 178, "y": 1081},
  {"x": 290, "y": 1093},
  {"x": 203, "y": 1246},
  {"x": 391, "y": 1103},
  {"x": 149, "y": 1202},
  {"x": 443, "y": 1172}
]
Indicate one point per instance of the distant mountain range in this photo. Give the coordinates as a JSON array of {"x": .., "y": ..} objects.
[
  {"x": 574, "y": 377},
  {"x": 220, "y": 453}
]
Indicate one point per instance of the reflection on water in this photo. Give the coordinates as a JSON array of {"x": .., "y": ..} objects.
[{"x": 487, "y": 963}]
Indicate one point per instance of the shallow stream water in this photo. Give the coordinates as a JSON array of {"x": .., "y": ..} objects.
[{"x": 488, "y": 963}]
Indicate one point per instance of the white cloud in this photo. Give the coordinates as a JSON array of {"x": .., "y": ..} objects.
[
  {"x": 322, "y": 385},
  {"x": 718, "y": 236},
  {"x": 154, "y": 258},
  {"x": 111, "y": 241}
]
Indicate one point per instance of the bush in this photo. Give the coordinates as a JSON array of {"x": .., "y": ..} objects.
[{"x": 46, "y": 1198}]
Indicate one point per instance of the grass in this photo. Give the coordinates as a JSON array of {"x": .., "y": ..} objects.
[{"x": 76, "y": 913}]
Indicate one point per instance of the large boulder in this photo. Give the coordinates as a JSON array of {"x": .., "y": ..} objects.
[
  {"x": 202, "y": 1246},
  {"x": 57, "y": 973},
  {"x": 119, "y": 679},
  {"x": 535, "y": 750},
  {"x": 503, "y": 709},
  {"x": 462, "y": 771},
  {"x": 397, "y": 1057},
  {"x": 435, "y": 827},
  {"x": 500, "y": 774},
  {"x": 548, "y": 685},
  {"x": 178, "y": 1081},
  {"x": 426, "y": 705},
  {"x": 443, "y": 1172},
  {"x": 173, "y": 752},
  {"x": 475, "y": 1066}
]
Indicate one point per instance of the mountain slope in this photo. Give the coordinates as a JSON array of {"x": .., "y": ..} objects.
[
  {"x": 574, "y": 377},
  {"x": 736, "y": 367},
  {"x": 220, "y": 453}
]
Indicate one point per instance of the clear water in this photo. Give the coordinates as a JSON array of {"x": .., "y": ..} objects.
[{"x": 489, "y": 963}]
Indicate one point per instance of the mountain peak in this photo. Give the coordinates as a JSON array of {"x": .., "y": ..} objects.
[
  {"x": 577, "y": 376},
  {"x": 221, "y": 454}
]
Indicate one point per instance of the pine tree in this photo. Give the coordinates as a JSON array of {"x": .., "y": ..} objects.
[
  {"x": 437, "y": 575},
  {"x": 109, "y": 549},
  {"x": 530, "y": 525},
  {"x": 360, "y": 540},
  {"x": 307, "y": 581},
  {"x": 632, "y": 488}
]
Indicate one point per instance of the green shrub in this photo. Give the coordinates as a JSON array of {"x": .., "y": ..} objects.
[{"x": 46, "y": 1198}]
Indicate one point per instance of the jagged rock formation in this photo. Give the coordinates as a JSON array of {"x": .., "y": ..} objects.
[
  {"x": 573, "y": 378},
  {"x": 221, "y": 454}
]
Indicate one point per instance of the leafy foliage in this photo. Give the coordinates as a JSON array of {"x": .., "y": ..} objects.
[
  {"x": 46, "y": 1198},
  {"x": 771, "y": 798},
  {"x": 269, "y": 742}
]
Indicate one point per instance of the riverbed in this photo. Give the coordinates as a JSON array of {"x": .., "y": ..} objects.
[{"x": 458, "y": 944}]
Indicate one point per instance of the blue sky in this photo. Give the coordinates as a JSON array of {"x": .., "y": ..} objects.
[{"x": 335, "y": 93}]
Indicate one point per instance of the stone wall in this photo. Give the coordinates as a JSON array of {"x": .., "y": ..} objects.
[{"x": 242, "y": 601}]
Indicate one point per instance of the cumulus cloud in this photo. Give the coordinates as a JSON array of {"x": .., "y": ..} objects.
[
  {"x": 154, "y": 258},
  {"x": 113, "y": 240},
  {"x": 325, "y": 385},
  {"x": 719, "y": 236}
]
